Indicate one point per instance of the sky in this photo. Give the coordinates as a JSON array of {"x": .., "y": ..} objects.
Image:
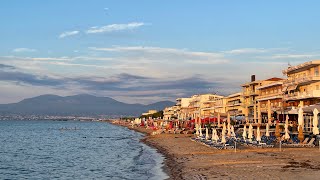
[{"x": 142, "y": 51}]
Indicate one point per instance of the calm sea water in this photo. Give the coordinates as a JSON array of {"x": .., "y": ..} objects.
[{"x": 74, "y": 150}]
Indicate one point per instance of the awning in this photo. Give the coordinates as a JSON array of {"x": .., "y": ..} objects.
[{"x": 291, "y": 88}]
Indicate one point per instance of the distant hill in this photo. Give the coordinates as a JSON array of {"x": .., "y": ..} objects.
[{"x": 82, "y": 104}]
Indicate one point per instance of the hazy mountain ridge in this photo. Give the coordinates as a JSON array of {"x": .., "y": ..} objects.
[{"x": 82, "y": 104}]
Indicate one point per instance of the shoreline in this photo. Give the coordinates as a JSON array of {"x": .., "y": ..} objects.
[
  {"x": 185, "y": 159},
  {"x": 170, "y": 166}
]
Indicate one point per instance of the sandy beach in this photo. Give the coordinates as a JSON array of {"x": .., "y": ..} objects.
[{"x": 186, "y": 159}]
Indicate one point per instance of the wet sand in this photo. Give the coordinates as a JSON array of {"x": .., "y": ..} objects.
[{"x": 186, "y": 159}]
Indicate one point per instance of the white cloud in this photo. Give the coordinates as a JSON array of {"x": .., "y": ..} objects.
[
  {"x": 247, "y": 51},
  {"x": 21, "y": 50},
  {"x": 293, "y": 56},
  {"x": 159, "y": 52},
  {"x": 68, "y": 33},
  {"x": 115, "y": 27}
]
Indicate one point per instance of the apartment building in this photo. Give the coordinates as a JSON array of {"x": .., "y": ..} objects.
[
  {"x": 184, "y": 110},
  {"x": 302, "y": 86},
  {"x": 269, "y": 99},
  {"x": 209, "y": 104},
  {"x": 234, "y": 104},
  {"x": 249, "y": 94}
]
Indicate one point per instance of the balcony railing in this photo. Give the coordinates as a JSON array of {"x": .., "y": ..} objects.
[
  {"x": 302, "y": 80},
  {"x": 270, "y": 96},
  {"x": 302, "y": 95}
]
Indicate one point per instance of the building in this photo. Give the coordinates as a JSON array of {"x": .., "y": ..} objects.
[
  {"x": 234, "y": 104},
  {"x": 249, "y": 94},
  {"x": 302, "y": 86},
  {"x": 149, "y": 112},
  {"x": 183, "y": 104},
  {"x": 270, "y": 99},
  {"x": 171, "y": 112}
]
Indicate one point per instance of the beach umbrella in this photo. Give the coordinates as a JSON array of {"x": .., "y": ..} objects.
[
  {"x": 229, "y": 128},
  {"x": 287, "y": 119},
  {"x": 223, "y": 134},
  {"x": 267, "y": 130},
  {"x": 216, "y": 138},
  {"x": 269, "y": 112},
  {"x": 200, "y": 129},
  {"x": 258, "y": 134},
  {"x": 232, "y": 132},
  {"x": 244, "y": 134},
  {"x": 213, "y": 137},
  {"x": 250, "y": 134},
  {"x": 197, "y": 129},
  {"x": 300, "y": 135},
  {"x": 300, "y": 117},
  {"x": 315, "y": 121},
  {"x": 286, "y": 135},
  {"x": 207, "y": 133}
]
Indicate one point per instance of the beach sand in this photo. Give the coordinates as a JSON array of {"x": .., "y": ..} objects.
[{"x": 186, "y": 159}]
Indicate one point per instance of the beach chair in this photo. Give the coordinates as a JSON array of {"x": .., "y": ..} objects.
[{"x": 310, "y": 144}]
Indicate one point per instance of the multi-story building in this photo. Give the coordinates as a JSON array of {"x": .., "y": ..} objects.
[
  {"x": 183, "y": 104},
  {"x": 302, "y": 85},
  {"x": 249, "y": 94},
  {"x": 171, "y": 112},
  {"x": 270, "y": 98},
  {"x": 208, "y": 104},
  {"x": 234, "y": 104}
]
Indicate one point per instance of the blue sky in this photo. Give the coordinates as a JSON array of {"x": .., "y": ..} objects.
[{"x": 146, "y": 51}]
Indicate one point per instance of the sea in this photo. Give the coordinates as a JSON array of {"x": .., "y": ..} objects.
[{"x": 75, "y": 150}]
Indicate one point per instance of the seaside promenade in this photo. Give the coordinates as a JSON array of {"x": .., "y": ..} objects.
[{"x": 186, "y": 159}]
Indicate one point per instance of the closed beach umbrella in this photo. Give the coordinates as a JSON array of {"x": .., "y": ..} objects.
[
  {"x": 213, "y": 137},
  {"x": 232, "y": 132},
  {"x": 224, "y": 128},
  {"x": 244, "y": 134},
  {"x": 200, "y": 129},
  {"x": 286, "y": 135},
  {"x": 216, "y": 135},
  {"x": 229, "y": 128},
  {"x": 207, "y": 134},
  {"x": 197, "y": 129},
  {"x": 315, "y": 121},
  {"x": 300, "y": 117},
  {"x": 267, "y": 130},
  {"x": 223, "y": 134},
  {"x": 258, "y": 134},
  {"x": 250, "y": 135}
]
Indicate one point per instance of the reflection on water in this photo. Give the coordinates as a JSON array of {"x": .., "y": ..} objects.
[{"x": 74, "y": 150}]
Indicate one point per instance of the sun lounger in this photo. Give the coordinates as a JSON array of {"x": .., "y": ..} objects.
[{"x": 310, "y": 144}]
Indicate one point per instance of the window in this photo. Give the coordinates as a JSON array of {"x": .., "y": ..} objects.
[{"x": 316, "y": 71}]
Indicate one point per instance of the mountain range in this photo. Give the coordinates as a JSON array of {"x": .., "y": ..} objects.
[{"x": 78, "y": 105}]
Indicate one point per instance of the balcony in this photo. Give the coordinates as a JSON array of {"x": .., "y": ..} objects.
[
  {"x": 302, "y": 95},
  {"x": 250, "y": 93},
  {"x": 269, "y": 96},
  {"x": 302, "y": 80},
  {"x": 234, "y": 104}
]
